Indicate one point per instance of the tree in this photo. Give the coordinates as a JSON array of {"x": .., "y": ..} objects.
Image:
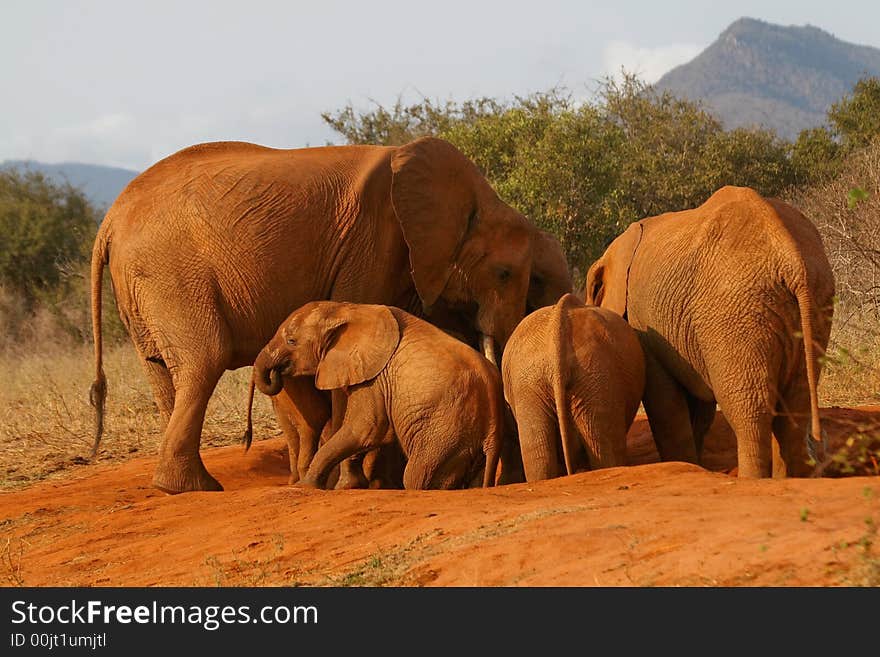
[
  {"x": 855, "y": 119},
  {"x": 815, "y": 155}
]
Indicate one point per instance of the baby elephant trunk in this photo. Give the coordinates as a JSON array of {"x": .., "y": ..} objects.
[{"x": 267, "y": 375}]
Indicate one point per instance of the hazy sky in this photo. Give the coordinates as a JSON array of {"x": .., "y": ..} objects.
[{"x": 126, "y": 83}]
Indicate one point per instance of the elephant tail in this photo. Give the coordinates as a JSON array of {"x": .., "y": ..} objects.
[
  {"x": 805, "y": 303},
  {"x": 559, "y": 321},
  {"x": 98, "y": 390},
  {"x": 248, "y": 436}
]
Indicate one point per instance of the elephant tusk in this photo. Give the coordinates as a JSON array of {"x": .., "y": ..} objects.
[{"x": 488, "y": 345}]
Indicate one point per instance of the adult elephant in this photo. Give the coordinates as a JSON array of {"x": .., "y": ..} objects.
[
  {"x": 212, "y": 247},
  {"x": 733, "y": 303}
]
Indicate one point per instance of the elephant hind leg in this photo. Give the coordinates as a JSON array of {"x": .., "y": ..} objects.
[
  {"x": 540, "y": 442},
  {"x": 750, "y": 415},
  {"x": 791, "y": 428},
  {"x": 351, "y": 474},
  {"x": 666, "y": 404},
  {"x": 753, "y": 449},
  {"x": 163, "y": 387},
  {"x": 444, "y": 469},
  {"x": 747, "y": 392},
  {"x": 180, "y": 467},
  {"x": 384, "y": 467},
  {"x": 454, "y": 472}
]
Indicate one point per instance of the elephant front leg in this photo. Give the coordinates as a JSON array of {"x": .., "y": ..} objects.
[
  {"x": 351, "y": 470},
  {"x": 666, "y": 405},
  {"x": 365, "y": 426},
  {"x": 302, "y": 412},
  {"x": 345, "y": 443}
]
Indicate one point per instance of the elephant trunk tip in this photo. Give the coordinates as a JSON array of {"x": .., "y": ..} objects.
[{"x": 269, "y": 381}]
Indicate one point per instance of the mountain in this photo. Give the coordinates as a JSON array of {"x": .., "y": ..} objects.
[
  {"x": 784, "y": 78},
  {"x": 99, "y": 183}
]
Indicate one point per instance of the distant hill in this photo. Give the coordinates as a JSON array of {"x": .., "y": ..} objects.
[
  {"x": 784, "y": 78},
  {"x": 99, "y": 183}
]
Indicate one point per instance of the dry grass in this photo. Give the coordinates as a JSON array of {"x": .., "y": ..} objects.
[
  {"x": 851, "y": 371},
  {"x": 47, "y": 424}
]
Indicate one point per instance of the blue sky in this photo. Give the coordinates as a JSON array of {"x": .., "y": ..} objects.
[{"x": 125, "y": 84}]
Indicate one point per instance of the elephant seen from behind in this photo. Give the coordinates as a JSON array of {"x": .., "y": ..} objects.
[
  {"x": 573, "y": 377},
  {"x": 733, "y": 303}
]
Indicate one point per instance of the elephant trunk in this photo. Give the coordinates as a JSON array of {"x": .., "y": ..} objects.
[{"x": 267, "y": 375}]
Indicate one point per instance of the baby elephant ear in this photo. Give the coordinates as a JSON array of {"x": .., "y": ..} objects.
[{"x": 358, "y": 342}]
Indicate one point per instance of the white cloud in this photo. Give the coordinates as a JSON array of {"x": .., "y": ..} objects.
[{"x": 649, "y": 64}]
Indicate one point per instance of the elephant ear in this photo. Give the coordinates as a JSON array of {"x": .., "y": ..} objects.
[
  {"x": 433, "y": 192},
  {"x": 358, "y": 342},
  {"x": 608, "y": 279}
]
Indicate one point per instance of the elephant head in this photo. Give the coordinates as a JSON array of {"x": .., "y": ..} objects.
[
  {"x": 466, "y": 246},
  {"x": 340, "y": 344},
  {"x": 550, "y": 278},
  {"x": 608, "y": 277}
]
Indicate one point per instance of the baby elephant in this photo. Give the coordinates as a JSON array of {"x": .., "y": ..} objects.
[
  {"x": 402, "y": 379},
  {"x": 572, "y": 370}
]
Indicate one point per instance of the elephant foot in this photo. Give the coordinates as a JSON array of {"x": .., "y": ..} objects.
[
  {"x": 352, "y": 480},
  {"x": 183, "y": 475},
  {"x": 307, "y": 482}
]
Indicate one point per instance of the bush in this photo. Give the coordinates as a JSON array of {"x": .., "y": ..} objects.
[
  {"x": 48, "y": 231},
  {"x": 45, "y": 228}
]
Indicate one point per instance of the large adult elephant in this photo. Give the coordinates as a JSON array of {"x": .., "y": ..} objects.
[
  {"x": 733, "y": 303},
  {"x": 212, "y": 247}
]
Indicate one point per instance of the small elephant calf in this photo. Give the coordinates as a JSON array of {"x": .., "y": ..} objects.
[
  {"x": 572, "y": 370},
  {"x": 403, "y": 379}
]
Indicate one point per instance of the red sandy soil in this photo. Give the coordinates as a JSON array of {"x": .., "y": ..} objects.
[{"x": 662, "y": 524}]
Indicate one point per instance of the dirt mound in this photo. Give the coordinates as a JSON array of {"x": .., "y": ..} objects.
[{"x": 649, "y": 524}]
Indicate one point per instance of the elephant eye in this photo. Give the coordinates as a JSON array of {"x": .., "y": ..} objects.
[
  {"x": 503, "y": 274},
  {"x": 291, "y": 341}
]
